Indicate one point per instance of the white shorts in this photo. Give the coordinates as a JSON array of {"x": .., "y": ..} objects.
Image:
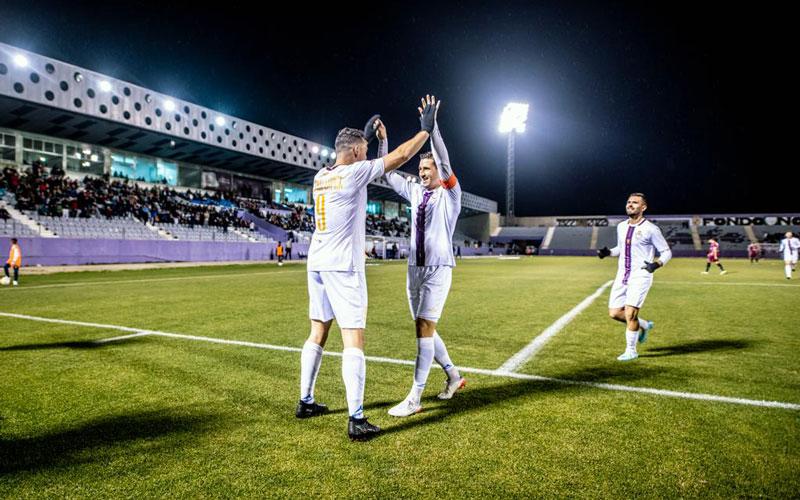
[
  {"x": 790, "y": 259},
  {"x": 427, "y": 288},
  {"x": 632, "y": 294},
  {"x": 338, "y": 294}
]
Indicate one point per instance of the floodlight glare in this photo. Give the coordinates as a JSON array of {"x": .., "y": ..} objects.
[
  {"x": 169, "y": 105},
  {"x": 315, "y": 149},
  {"x": 514, "y": 117},
  {"x": 333, "y": 156},
  {"x": 220, "y": 121},
  {"x": 105, "y": 86},
  {"x": 324, "y": 153},
  {"x": 21, "y": 61}
]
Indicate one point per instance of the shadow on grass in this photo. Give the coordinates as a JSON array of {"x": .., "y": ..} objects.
[
  {"x": 474, "y": 399},
  {"x": 698, "y": 346},
  {"x": 96, "y": 440},
  {"x": 86, "y": 344}
]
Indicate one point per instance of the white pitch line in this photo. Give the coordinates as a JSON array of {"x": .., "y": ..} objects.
[
  {"x": 529, "y": 351},
  {"x": 377, "y": 359},
  {"x": 123, "y": 337},
  {"x": 148, "y": 280}
]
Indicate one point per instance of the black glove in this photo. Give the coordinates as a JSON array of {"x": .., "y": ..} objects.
[
  {"x": 651, "y": 266},
  {"x": 369, "y": 129},
  {"x": 603, "y": 252},
  {"x": 428, "y": 118}
]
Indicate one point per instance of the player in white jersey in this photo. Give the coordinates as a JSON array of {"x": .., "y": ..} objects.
[
  {"x": 436, "y": 202},
  {"x": 790, "y": 246},
  {"x": 337, "y": 287},
  {"x": 637, "y": 242}
]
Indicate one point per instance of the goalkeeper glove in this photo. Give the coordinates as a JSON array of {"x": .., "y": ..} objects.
[
  {"x": 651, "y": 266},
  {"x": 603, "y": 252}
]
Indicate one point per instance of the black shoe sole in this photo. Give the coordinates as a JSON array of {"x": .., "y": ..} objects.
[{"x": 363, "y": 437}]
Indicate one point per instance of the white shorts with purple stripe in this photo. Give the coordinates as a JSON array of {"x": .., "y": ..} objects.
[
  {"x": 631, "y": 294},
  {"x": 427, "y": 288}
]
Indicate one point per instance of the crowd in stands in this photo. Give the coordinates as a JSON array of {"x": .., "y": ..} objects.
[{"x": 378, "y": 225}]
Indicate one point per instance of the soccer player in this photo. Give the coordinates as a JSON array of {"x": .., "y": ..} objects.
[
  {"x": 337, "y": 287},
  {"x": 754, "y": 252},
  {"x": 790, "y": 246},
  {"x": 14, "y": 261},
  {"x": 436, "y": 201},
  {"x": 713, "y": 257},
  {"x": 279, "y": 252},
  {"x": 638, "y": 240}
]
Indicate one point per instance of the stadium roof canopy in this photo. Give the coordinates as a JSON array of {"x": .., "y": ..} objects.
[{"x": 46, "y": 96}]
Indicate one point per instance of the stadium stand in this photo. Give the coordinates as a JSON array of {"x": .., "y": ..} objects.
[{"x": 571, "y": 238}]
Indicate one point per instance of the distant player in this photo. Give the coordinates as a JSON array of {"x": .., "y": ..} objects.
[
  {"x": 638, "y": 240},
  {"x": 790, "y": 246},
  {"x": 279, "y": 252},
  {"x": 754, "y": 252},
  {"x": 436, "y": 202},
  {"x": 14, "y": 262},
  {"x": 713, "y": 257},
  {"x": 337, "y": 287}
]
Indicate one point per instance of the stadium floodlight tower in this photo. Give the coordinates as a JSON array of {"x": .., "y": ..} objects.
[{"x": 512, "y": 122}]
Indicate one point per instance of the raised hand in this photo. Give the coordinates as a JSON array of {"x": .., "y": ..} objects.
[{"x": 428, "y": 112}]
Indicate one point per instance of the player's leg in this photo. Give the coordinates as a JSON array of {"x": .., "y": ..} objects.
[
  {"x": 708, "y": 266},
  {"x": 347, "y": 292},
  {"x": 631, "y": 334},
  {"x": 617, "y": 314},
  {"x": 16, "y": 275},
  {"x": 636, "y": 328},
  {"x": 321, "y": 316},
  {"x": 787, "y": 269},
  {"x": 721, "y": 269}
]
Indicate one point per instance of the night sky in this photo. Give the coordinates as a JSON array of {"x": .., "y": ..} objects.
[{"x": 687, "y": 104}]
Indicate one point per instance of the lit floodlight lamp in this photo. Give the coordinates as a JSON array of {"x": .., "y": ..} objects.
[
  {"x": 105, "y": 85},
  {"x": 324, "y": 153},
  {"x": 169, "y": 105},
  {"x": 315, "y": 149},
  {"x": 333, "y": 156},
  {"x": 21, "y": 61},
  {"x": 220, "y": 121},
  {"x": 513, "y": 118}
]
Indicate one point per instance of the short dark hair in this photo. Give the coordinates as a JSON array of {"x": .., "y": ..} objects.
[
  {"x": 427, "y": 155},
  {"x": 640, "y": 195},
  {"x": 13, "y": 241},
  {"x": 348, "y": 137}
]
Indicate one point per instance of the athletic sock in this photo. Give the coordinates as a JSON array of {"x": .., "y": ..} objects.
[
  {"x": 788, "y": 270},
  {"x": 422, "y": 367},
  {"x": 443, "y": 358},
  {"x": 631, "y": 337},
  {"x": 708, "y": 266},
  {"x": 354, "y": 372},
  {"x": 644, "y": 324},
  {"x": 720, "y": 267},
  {"x": 310, "y": 359}
]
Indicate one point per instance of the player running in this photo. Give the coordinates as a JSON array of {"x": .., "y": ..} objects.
[
  {"x": 14, "y": 262},
  {"x": 437, "y": 204},
  {"x": 637, "y": 242},
  {"x": 754, "y": 252},
  {"x": 713, "y": 257},
  {"x": 337, "y": 287},
  {"x": 790, "y": 246}
]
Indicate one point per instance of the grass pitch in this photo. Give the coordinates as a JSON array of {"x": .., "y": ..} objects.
[{"x": 156, "y": 416}]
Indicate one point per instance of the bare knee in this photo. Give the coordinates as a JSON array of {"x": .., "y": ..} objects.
[
  {"x": 425, "y": 328},
  {"x": 319, "y": 332},
  {"x": 616, "y": 314}
]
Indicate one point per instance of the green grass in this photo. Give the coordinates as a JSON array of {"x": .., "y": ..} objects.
[{"x": 156, "y": 416}]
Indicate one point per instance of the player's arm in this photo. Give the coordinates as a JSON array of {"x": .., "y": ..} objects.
[
  {"x": 407, "y": 150},
  {"x": 399, "y": 184},
  {"x": 442, "y": 159},
  {"x": 606, "y": 252},
  {"x": 665, "y": 254}
]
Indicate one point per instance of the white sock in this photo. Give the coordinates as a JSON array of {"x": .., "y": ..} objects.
[
  {"x": 788, "y": 269},
  {"x": 425, "y": 350},
  {"x": 644, "y": 324},
  {"x": 354, "y": 373},
  {"x": 310, "y": 359},
  {"x": 631, "y": 338},
  {"x": 443, "y": 358}
]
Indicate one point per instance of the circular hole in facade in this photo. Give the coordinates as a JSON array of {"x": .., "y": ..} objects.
[
  {"x": 148, "y": 120},
  {"x": 19, "y": 88},
  {"x": 137, "y": 106},
  {"x": 254, "y": 139},
  {"x": 315, "y": 164},
  {"x": 49, "y": 68},
  {"x": 266, "y": 143},
  {"x": 127, "y": 115},
  {"x": 272, "y": 136},
  {"x": 78, "y": 77},
  {"x": 115, "y": 99},
  {"x": 279, "y": 147},
  {"x": 35, "y": 77},
  {"x": 186, "y": 130},
  {"x": 194, "y": 122},
  {"x": 77, "y": 102},
  {"x": 103, "y": 108},
  {"x": 294, "y": 158},
  {"x": 233, "y": 143},
  {"x": 219, "y": 139},
  {"x": 49, "y": 95},
  {"x": 3, "y": 69},
  {"x": 260, "y": 150},
  {"x": 203, "y": 134},
  {"x": 158, "y": 112},
  {"x": 261, "y": 132},
  {"x": 247, "y": 128},
  {"x": 203, "y": 115},
  {"x": 234, "y": 124},
  {"x": 168, "y": 126},
  {"x": 126, "y": 91},
  {"x": 63, "y": 86},
  {"x": 273, "y": 153},
  {"x": 186, "y": 109},
  {"x": 227, "y": 131},
  {"x": 247, "y": 146},
  {"x": 148, "y": 98},
  {"x": 211, "y": 127},
  {"x": 294, "y": 142},
  {"x": 90, "y": 93},
  {"x": 241, "y": 136},
  {"x": 284, "y": 156},
  {"x": 177, "y": 117}
]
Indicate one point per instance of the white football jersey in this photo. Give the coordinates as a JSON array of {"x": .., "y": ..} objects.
[
  {"x": 637, "y": 244},
  {"x": 790, "y": 248},
  {"x": 340, "y": 214}
]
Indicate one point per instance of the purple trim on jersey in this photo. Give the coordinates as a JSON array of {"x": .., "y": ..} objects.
[
  {"x": 420, "y": 236},
  {"x": 628, "y": 239}
]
